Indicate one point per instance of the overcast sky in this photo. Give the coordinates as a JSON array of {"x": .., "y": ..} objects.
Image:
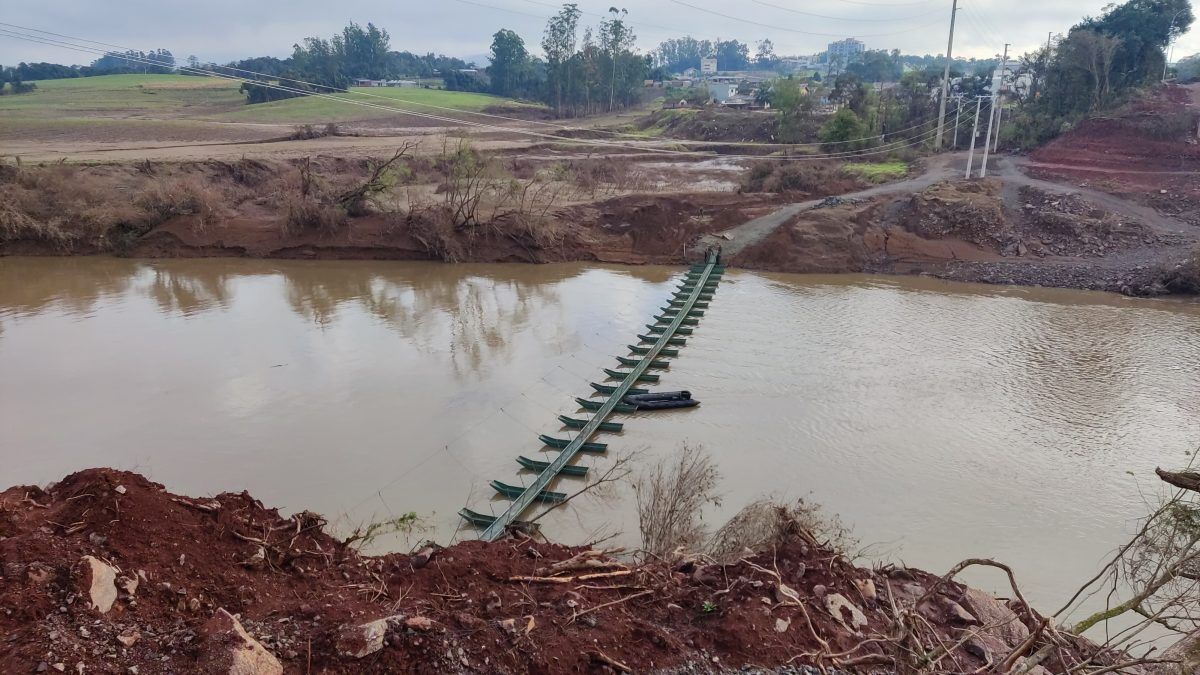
[{"x": 223, "y": 30}]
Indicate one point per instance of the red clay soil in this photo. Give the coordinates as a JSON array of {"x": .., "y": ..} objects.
[
  {"x": 179, "y": 564},
  {"x": 1147, "y": 152}
]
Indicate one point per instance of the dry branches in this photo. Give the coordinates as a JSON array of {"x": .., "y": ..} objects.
[{"x": 670, "y": 499}]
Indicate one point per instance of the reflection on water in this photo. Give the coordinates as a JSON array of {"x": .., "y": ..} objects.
[{"x": 943, "y": 421}]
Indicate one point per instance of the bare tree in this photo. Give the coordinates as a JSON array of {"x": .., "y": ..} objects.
[
  {"x": 1158, "y": 569},
  {"x": 670, "y": 498}
]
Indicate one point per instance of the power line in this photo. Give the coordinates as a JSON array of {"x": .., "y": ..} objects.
[
  {"x": 887, "y": 4},
  {"x": 842, "y": 18},
  {"x": 886, "y": 148},
  {"x": 794, "y": 30}
]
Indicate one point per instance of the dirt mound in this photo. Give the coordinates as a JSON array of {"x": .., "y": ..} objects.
[
  {"x": 660, "y": 228},
  {"x": 1055, "y": 224},
  {"x": 966, "y": 210},
  {"x": 820, "y": 241},
  {"x": 106, "y": 572},
  {"x": 712, "y": 124}
]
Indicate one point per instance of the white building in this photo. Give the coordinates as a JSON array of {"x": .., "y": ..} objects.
[
  {"x": 846, "y": 50},
  {"x": 708, "y": 65}
]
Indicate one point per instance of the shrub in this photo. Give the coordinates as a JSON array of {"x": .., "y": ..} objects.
[
  {"x": 1185, "y": 277},
  {"x": 166, "y": 198},
  {"x": 306, "y": 214},
  {"x": 788, "y": 177},
  {"x": 670, "y": 498},
  {"x": 843, "y": 131}
]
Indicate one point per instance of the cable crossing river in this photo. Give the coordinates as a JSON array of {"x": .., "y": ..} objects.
[{"x": 683, "y": 311}]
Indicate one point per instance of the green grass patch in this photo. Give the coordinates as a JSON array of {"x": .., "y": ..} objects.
[
  {"x": 167, "y": 95},
  {"x": 317, "y": 109},
  {"x": 878, "y": 172},
  {"x": 211, "y": 98}
]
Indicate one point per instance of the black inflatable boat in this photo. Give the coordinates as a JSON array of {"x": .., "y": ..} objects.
[{"x": 663, "y": 400}]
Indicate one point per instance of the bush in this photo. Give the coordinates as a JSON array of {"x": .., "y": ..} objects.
[
  {"x": 167, "y": 198},
  {"x": 61, "y": 205},
  {"x": 788, "y": 177},
  {"x": 305, "y": 214},
  {"x": 843, "y": 131},
  {"x": 1184, "y": 279}
]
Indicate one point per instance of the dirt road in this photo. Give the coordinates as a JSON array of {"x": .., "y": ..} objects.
[{"x": 732, "y": 241}]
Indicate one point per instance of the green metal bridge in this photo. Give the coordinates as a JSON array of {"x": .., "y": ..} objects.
[{"x": 682, "y": 312}]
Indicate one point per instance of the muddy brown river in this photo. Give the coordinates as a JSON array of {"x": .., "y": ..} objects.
[{"x": 940, "y": 421}]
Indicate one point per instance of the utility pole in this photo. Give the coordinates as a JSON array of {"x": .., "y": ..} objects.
[
  {"x": 957, "y": 112},
  {"x": 937, "y": 140},
  {"x": 974, "y": 134},
  {"x": 987, "y": 141},
  {"x": 998, "y": 95}
]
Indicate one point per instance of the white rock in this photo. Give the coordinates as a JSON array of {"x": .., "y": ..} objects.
[
  {"x": 128, "y": 637},
  {"x": 128, "y": 584},
  {"x": 234, "y": 652},
  {"x": 101, "y": 583},
  {"x": 836, "y": 602},
  {"x": 781, "y": 625},
  {"x": 867, "y": 588},
  {"x": 121, "y": 489},
  {"x": 363, "y": 639}
]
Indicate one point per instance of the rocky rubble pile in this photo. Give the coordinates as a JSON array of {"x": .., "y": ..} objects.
[{"x": 1067, "y": 225}]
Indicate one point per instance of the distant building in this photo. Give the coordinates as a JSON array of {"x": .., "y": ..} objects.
[
  {"x": 846, "y": 50},
  {"x": 794, "y": 63},
  {"x": 364, "y": 82},
  {"x": 722, "y": 91},
  {"x": 708, "y": 65}
]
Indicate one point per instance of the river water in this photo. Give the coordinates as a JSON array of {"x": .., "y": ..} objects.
[{"x": 940, "y": 421}]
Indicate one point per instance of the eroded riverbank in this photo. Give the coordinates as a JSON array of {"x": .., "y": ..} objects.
[
  {"x": 560, "y": 206},
  {"x": 106, "y": 572}
]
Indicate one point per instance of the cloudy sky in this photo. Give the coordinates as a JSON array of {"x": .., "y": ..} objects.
[{"x": 222, "y": 30}]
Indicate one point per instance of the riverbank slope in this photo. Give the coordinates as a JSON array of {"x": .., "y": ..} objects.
[{"x": 108, "y": 572}]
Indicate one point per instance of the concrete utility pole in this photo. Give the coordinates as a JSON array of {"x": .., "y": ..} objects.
[
  {"x": 999, "y": 95},
  {"x": 974, "y": 134},
  {"x": 957, "y": 112},
  {"x": 987, "y": 141},
  {"x": 1167, "y": 49},
  {"x": 937, "y": 140}
]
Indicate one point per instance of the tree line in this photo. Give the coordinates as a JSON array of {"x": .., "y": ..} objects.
[
  {"x": 1099, "y": 63},
  {"x": 582, "y": 73}
]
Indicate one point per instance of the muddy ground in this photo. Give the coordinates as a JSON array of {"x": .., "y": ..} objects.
[{"x": 107, "y": 572}]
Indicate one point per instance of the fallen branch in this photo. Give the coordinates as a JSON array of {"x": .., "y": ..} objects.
[
  {"x": 207, "y": 508},
  {"x": 597, "y": 655},
  {"x": 542, "y": 580},
  {"x": 1186, "y": 480},
  {"x": 617, "y": 472},
  {"x": 604, "y": 575},
  {"x": 608, "y": 604},
  {"x": 1024, "y": 646},
  {"x": 987, "y": 562},
  {"x": 30, "y": 500},
  {"x": 581, "y": 561},
  {"x": 1031, "y": 662}
]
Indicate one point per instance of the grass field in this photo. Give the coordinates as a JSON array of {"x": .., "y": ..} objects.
[
  {"x": 153, "y": 95},
  {"x": 878, "y": 172},
  {"x": 207, "y": 98},
  {"x": 319, "y": 109}
]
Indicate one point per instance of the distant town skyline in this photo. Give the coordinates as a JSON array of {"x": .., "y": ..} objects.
[{"x": 221, "y": 30}]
